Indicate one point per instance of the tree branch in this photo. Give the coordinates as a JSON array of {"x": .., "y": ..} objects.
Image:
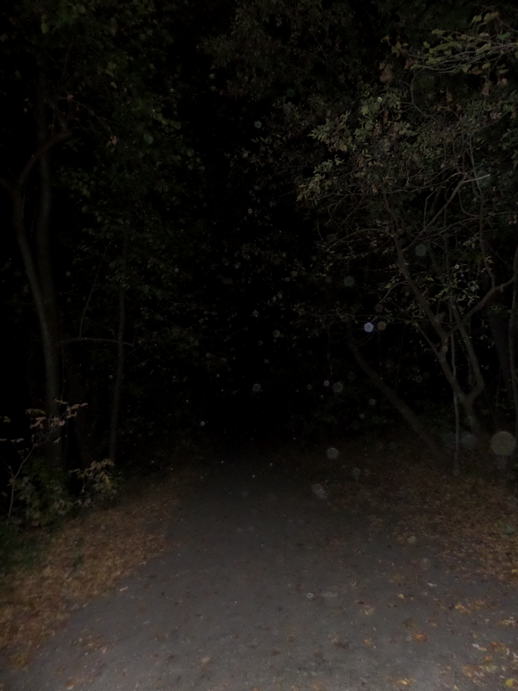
[
  {"x": 92, "y": 339},
  {"x": 41, "y": 151}
]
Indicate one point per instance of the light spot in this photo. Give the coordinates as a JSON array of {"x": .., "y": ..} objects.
[
  {"x": 368, "y": 327},
  {"x": 332, "y": 453},
  {"x": 503, "y": 443},
  {"x": 421, "y": 250}
]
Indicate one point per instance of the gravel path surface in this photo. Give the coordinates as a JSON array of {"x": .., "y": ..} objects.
[{"x": 268, "y": 587}]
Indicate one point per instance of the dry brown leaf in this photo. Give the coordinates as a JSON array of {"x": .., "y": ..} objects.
[
  {"x": 420, "y": 637},
  {"x": 83, "y": 559}
]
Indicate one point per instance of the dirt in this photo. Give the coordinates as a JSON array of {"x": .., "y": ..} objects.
[{"x": 267, "y": 583}]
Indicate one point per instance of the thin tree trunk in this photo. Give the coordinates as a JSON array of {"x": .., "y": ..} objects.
[
  {"x": 44, "y": 268},
  {"x": 43, "y": 259},
  {"x": 512, "y": 330},
  {"x": 47, "y": 341},
  {"x": 43, "y": 230},
  {"x": 456, "y": 454},
  {"x": 119, "y": 374},
  {"x": 499, "y": 324},
  {"x": 37, "y": 260}
]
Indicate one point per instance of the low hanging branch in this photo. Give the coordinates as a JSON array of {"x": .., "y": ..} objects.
[{"x": 403, "y": 409}]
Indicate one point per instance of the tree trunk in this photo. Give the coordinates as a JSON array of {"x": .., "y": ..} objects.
[
  {"x": 48, "y": 343},
  {"x": 512, "y": 344},
  {"x": 36, "y": 259},
  {"x": 499, "y": 325},
  {"x": 119, "y": 374},
  {"x": 43, "y": 256}
]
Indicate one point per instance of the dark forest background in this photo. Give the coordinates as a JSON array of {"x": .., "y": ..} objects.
[{"x": 252, "y": 220}]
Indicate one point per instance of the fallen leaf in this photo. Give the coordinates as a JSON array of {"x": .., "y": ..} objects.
[
  {"x": 479, "y": 647},
  {"x": 420, "y": 637},
  {"x": 425, "y": 564},
  {"x": 500, "y": 647}
]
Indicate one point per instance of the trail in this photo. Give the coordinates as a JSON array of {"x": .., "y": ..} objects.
[{"x": 266, "y": 587}]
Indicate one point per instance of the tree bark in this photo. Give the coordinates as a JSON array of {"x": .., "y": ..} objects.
[
  {"x": 119, "y": 373},
  {"x": 512, "y": 343},
  {"x": 43, "y": 256},
  {"x": 48, "y": 343},
  {"x": 36, "y": 257}
]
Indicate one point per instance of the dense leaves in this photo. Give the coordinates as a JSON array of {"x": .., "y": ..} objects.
[{"x": 257, "y": 219}]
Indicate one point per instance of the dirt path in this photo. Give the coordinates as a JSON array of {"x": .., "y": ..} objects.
[{"x": 266, "y": 587}]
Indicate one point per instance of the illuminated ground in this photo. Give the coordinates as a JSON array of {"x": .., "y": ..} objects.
[{"x": 265, "y": 586}]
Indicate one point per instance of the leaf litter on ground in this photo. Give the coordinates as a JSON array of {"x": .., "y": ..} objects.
[
  {"x": 82, "y": 559},
  {"x": 471, "y": 518}
]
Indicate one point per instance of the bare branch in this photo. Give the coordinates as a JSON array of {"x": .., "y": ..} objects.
[
  {"x": 41, "y": 151},
  {"x": 92, "y": 339}
]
